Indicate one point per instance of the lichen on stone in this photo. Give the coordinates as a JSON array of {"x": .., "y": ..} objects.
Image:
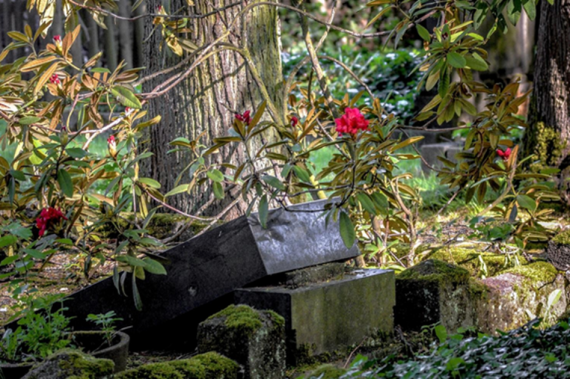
[{"x": 436, "y": 270}]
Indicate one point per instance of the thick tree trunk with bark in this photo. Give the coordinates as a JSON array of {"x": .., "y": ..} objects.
[
  {"x": 548, "y": 135},
  {"x": 207, "y": 99}
]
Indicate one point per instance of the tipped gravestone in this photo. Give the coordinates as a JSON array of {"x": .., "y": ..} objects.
[{"x": 204, "y": 271}]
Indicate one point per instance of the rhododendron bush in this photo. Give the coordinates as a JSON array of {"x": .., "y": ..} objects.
[{"x": 48, "y": 200}]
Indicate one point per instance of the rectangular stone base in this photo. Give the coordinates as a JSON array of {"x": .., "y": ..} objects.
[{"x": 323, "y": 317}]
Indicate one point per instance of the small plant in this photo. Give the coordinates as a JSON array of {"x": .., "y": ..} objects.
[
  {"x": 106, "y": 321},
  {"x": 40, "y": 332}
]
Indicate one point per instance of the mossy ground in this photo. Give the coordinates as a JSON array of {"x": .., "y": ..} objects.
[
  {"x": 562, "y": 238},
  {"x": 245, "y": 319}
]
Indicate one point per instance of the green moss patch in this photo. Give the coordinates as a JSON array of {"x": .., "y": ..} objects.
[
  {"x": 328, "y": 371},
  {"x": 477, "y": 263},
  {"x": 72, "y": 364},
  {"x": 436, "y": 270},
  {"x": 241, "y": 318},
  {"x": 562, "y": 238},
  {"x": 538, "y": 272},
  {"x": 204, "y": 366}
]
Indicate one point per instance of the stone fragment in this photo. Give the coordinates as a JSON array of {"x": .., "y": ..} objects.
[
  {"x": 203, "y": 272},
  {"x": 433, "y": 291},
  {"x": 322, "y": 317},
  {"x": 70, "y": 363},
  {"x": 255, "y": 339},
  {"x": 203, "y": 366}
]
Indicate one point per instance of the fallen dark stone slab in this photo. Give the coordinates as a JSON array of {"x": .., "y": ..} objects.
[{"x": 204, "y": 271}]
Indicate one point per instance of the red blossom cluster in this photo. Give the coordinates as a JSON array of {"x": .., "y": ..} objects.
[
  {"x": 245, "y": 117},
  {"x": 294, "y": 121},
  {"x": 128, "y": 110},
  {"x": 55, "y": 79},
  {"x": 112, "y": 146},
  {"x": 504, "y": 154},
  {"x": 351, "y": 122},
  {"x": 57, "y": 39},
  {"x": 48, "y": 216}
]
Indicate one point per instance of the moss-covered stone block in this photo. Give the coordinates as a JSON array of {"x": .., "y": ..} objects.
[
  {"x": 325, "y": 316},
  {"x": 255, "y": 339},
  {"x": 203, "y": 366},
  {"x": 71, "y": 364},
  {"x": 478, "y": 263},
  {"x": 434, "y": 292}
]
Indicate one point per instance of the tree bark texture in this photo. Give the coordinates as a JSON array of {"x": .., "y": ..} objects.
[
  {"x": 205, "y": 102},
  {"x": 549, "y": 124}
]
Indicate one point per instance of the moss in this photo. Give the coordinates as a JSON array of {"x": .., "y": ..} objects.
[
  {"x": 470, "y": 259},
  {"x": 204, "y": 366},
  {"x": 241, "y": 318},
  {"x": 544, "y": 142},
  {"x": 216, "y": 365},
  {"x": 538, "y": 272},
  {"x": 161, "y": 225},
  {"x": 277, "y": 319},
  {"x": 78, "y": 365},
  {"x": 562, "y": 238},
  {"x": 328, "y": 371},
  {"x": 152, "y": 371},
  {"x": 477, "y": 289},
  {"x": 436, "y": 270}
]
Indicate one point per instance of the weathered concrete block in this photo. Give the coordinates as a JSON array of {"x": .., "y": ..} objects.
[
  {"x": 255, "y": 339},
  {"x": 203, "y": 366},
  {"x": 70, "y": 363},
  {"x": 322, "y": 317},
  {"x": 430, "y": 152},
  {"x": 433, "y": 291},
  {"x": 438, "y": 292},
  {"x": 203, "y": 272}
]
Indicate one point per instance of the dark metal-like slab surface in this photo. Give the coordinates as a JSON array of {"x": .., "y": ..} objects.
[{"x": 211, "y": 266}]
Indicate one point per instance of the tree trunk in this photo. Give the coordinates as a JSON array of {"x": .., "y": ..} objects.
[
  {"x": 207, "y": 99},
  {"x": 125, "y": 35},
  {"x": 549, "y": 125}
]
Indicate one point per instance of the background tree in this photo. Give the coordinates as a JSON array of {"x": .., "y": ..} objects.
[
  {"x": 205, "y": 103},
  {"x": 549, "y": 128}
]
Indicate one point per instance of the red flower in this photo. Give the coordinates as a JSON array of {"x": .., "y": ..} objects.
[
  {"x": 245, "y": 117},
  {"x": 55, "y": 79},
  {"x": 128, "y": 110},
  {"x": 351, "y": 122},
  {"x": 57, "y": 39},
  {"x": 294, "y": 121},
  {"x": 504, "y": 154},
  {"x": 112, "y": 146},
  {"x": 48, "y": 216}
]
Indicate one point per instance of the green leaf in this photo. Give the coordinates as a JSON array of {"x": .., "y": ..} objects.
[
  {"x": 263, "y": 211},
  {"x": 35, "y": 253},
  {"x": 126, "y": 97},
  {"x": 456, "y": 60},
  {"x": 76, "y": 152},
  {"x": 526, "y": 202},
  {"x": 475, "y": 62},
  {"x": 273, "y": 182},
  {"x": 28, "y": 120},
  {"x": 441, "y": 333},
  {"x": 218, "y": 190},
  {"x": 136, "y": 294},
  {"x": 366, "y": 203},
  {"x": 423, "y": 32},
  {"x": 150, "y": 182},
  {"x": 64, "y": 180},
  {"x": 530, "y": 9},
  {"x": 346, "y": 230},
  {"x": 302, "y": 174},
  {"x": 7, "y": 240},
  {"x": 178, "y": 189},
  {"x": 154, "y": 267},
  {"x": 215, "y": 175}
]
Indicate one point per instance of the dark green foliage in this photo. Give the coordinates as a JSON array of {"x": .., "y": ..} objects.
[{"x": 525, "y": 352}]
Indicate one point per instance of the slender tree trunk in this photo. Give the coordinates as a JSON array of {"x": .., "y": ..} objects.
[
  {"x": 93, "y": 33},
  {"x": 110, "y": 44},
  {"x": 125, "y": 35},
  {"x": 549, "y": 125},
  {"x": 139, "y": 36},
  {"x": 207, "y": 99},
  {"x": 7, "y": 26}
]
